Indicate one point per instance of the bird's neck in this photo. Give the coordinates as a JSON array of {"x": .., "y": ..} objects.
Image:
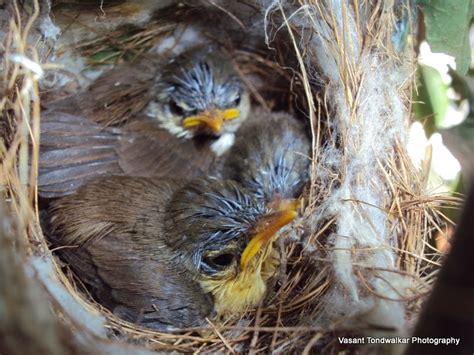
[
  {"x": 247, "y": 289},
  {"x": 236, "y": 295},
  {"x": 223, "y": 143}
]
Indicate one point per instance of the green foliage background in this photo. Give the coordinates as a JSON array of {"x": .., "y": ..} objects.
[{"x": 445, "y": 26}]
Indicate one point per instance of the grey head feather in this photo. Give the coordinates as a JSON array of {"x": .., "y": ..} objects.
[
  {"x": 210, "y": 214},
  {"x": 200, "y": 80},
  {"x": 201, "y": 88},
  {"x": 195, "y": 82},
  {"x": 270, "y": 157}
]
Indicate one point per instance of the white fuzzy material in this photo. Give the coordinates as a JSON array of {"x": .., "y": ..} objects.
[
  {"x": 223, "y": 144},
  {"x": 29, "y": 64},
  {"x": 367, "y": 131},
  {"x": 48, "y": 29},
  {"x": 183, "y": 38}
]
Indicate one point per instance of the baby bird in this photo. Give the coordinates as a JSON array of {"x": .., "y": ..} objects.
[
  {"x": 196, "y": 93},
  {"x": 270, "y": 157},
  {"x": 199, "y": 93},
  {"x": 165, "y": 253},
  {"x": 195, "y": 104}
]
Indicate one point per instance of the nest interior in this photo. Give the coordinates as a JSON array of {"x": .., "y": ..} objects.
[{"x": 357, "y": 261}]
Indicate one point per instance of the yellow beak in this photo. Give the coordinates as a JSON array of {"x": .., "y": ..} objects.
[
  {"x": 266, "y": 229},
  {"x": 213, "y": 118}
]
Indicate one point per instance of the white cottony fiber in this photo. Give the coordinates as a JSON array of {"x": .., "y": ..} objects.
[{"x": 48, "y": 29}]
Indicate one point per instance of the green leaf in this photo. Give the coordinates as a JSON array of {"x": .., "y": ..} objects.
[
  {"x": 460, "y": 139},
  {"x": 447, "y": 25},
  {"x": 431, "y": 99},
  {"x": 103, "y": 56}
]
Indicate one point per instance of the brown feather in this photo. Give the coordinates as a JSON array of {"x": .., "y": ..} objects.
[
  {"x": 270, "y": 156},
  {"x": 115, "y": 97},
  {"x": 75, "y": 150},
  {"x": 116, "y": 224}
]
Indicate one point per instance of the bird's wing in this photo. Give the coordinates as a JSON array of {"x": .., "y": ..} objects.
[
  {"x": 112, "y": 231},
  {"x": 115, "y": 97},
  {"x": 147, "y": 151},
  {"x": 73, "y": 150},
  {"x": 121, "y": 93},
  {"x": 146, "y": 286}
]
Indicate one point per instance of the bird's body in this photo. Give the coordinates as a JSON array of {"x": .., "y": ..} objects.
[
  {"x": 143, "y": 121},
  {"x": 167, "y": 253},
  {"x": 118, "y": 230},
  {"x": 116, "y": 97},
  {"x": 75, "y": 150}
]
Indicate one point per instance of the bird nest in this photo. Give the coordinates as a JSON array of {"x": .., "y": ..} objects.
[{"x": 356, "y": 263}]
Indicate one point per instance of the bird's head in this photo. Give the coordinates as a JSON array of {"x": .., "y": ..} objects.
[
  {"x": 224, "y": 237},
  {"x": 270, "y": 157},
  {"x": 199, "y": 93}
]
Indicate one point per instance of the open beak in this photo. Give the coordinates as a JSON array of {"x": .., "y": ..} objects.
[
  {"x": 266, "y": 229},
  {"x": 213, "y": 119}
]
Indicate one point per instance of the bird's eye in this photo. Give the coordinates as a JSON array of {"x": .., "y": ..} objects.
[
  {"x": 237, "y": 100},
  {"x": 220, "y": 261},
  {"x": 176, "y": 109}
]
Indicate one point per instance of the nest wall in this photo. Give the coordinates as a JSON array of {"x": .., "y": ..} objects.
[{"x": 356, "y": 262}]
